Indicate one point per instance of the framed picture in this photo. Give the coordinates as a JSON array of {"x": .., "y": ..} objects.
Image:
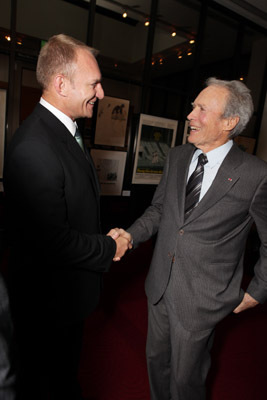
[
  {"x": 2, "y": 128},
  {"x": 110, "y": 167},
  {"x": 111, "y": 122},
  {"x": 186, "y": 132},
  {"x": 155, "y": 137}
]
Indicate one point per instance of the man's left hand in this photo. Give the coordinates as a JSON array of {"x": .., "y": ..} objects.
[{"x": 247, "y": 302}]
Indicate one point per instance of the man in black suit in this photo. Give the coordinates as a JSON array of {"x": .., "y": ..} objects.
[{"x": 58, "y": 254}]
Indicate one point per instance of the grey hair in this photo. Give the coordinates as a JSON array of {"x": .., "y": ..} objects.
[
  {"x": 59, "y": 55},
  {"x": 238, "y": 104}
]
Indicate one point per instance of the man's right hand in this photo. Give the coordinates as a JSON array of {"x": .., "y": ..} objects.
[{"x": 123, "y": 240}]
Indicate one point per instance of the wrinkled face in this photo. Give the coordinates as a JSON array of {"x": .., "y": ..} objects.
[
  {"x": 85, "y": 87},
  {"x": 208, "y": 129}
]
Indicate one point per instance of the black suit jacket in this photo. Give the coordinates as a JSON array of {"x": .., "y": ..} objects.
[{"x": 57, "y": 253}]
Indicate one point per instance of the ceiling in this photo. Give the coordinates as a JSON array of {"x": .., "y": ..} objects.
[
  {"x": 183, "y": 15},
  {"x": 254, "y": 10}
]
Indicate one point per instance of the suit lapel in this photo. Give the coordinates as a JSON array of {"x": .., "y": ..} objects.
[
  {"x": 58, "y": 131},
  {"x": 92, "y": 165},
  {"x": 227, "y": 176},
  {"x": 85, "y": 159}
]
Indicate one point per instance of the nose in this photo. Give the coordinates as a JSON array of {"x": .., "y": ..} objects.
[
  {"x": 100, "y": 92},
  {"x": 191, "y": 115}
]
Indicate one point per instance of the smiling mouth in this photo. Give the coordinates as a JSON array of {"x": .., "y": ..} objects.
[
  {"x": 193, "y": 128},
  {"x": 90, "y": 102}
]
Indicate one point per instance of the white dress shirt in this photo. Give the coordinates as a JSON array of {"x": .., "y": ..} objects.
[
  {"x": 67, "y": 121},
  {"x": 215, "y": 158}
]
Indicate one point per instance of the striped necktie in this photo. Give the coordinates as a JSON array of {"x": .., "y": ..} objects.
[{"x": 193, "y": 187}]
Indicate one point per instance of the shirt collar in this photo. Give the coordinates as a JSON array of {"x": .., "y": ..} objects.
[
  {"x": 67, "y": 121},
  {"x": 216, "y": 155}
]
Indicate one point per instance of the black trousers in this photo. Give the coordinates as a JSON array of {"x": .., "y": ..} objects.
[{"x": 49, "y": 360}]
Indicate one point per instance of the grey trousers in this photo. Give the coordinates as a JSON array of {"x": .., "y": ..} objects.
[
  {"x": 7, "y": 372},
  {"x": 178, "y": 360}
]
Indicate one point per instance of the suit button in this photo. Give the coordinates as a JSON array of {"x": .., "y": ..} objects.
[
  {"x": 181, "y": 232},
  {"x": 171, "y": 256}
]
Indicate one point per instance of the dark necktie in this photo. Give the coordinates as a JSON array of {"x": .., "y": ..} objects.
[
  {"x": 193, "y": 187},
  {"x": 94, "y": 178},
  {"x": 79, "y": 139}
]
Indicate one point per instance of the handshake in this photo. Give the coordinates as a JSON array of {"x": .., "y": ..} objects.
[{"x": 123, "y": 241}]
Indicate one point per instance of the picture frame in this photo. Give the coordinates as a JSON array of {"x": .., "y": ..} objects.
[
  {"x": 154, "y": 139},
  {"x": 186, "y": 132},
  {"x": 110, "y": 167},
  {"x": 111, "y": 122},
  {"x": 3, "y": 97}
]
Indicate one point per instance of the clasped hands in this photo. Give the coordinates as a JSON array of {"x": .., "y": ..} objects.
[{"x": 123, "y": 241}]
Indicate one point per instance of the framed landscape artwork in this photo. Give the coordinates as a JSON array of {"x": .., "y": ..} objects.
[{"x": 155, "y": 137}]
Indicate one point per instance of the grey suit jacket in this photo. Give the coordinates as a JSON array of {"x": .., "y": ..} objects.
[{"x": 202, "y": 258}]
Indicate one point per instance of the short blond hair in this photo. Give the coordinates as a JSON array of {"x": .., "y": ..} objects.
[{"x": 59, "y": 55}]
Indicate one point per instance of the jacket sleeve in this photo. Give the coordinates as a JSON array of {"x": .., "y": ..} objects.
[
  {"x": 258, "y": 285},
  {"x": 147, "y": 225},
  {"x": 35, "y": 186}
]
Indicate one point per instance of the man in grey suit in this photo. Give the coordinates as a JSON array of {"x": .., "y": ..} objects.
[{"x": 195, "y": 276}]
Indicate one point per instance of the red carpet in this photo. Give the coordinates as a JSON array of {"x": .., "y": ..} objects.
[{"x": 113, "y": 365}]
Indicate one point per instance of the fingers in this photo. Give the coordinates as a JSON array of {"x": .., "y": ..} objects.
[
  {"x": 122, "y": 246},
  {"x": 123, "y": 241},
  {"x": 127, "y": 236},
  {"x": 114, "y": 233}
]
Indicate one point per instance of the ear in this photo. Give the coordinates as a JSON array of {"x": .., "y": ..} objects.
[
  {"x": 231, "y": 122},
  {"x": 60, "y": 85}
]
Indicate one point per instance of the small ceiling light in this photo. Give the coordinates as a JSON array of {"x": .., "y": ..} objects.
[
  {"x": 173, "y": 34},
  {"x": 161, "y": 61},
  {"x": 124, "y": 15},
  {"x": 19, "y": 42},
  {"x": 153, "y": 62},
  {"x": 180, "y": 56},
  {"x": 146, "y": 22},
  {"x": 192, "y": 41},
  {"x": 241, "y": 78},
  {"x": 8, "y": 38},
  {"x": 189, "y": 53}
]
